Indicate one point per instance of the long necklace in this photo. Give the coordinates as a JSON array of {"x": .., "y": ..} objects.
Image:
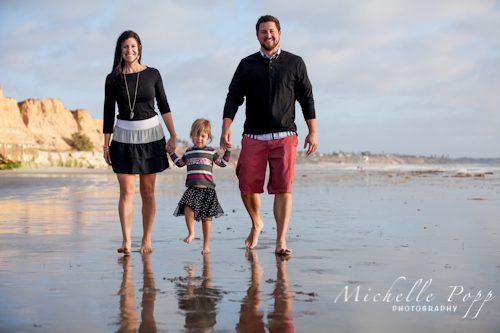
[{"x": 131, "y": 105}]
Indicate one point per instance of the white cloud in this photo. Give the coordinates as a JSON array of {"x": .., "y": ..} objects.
[{"x": 423, "y": 71}]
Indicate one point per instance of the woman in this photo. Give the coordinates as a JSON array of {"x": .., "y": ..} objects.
[{"x": 138, "y": 145}]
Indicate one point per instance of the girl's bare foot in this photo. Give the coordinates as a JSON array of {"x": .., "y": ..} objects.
[
  {"x": 189, "y": 239},
  {"x": 253, "y": 237}
]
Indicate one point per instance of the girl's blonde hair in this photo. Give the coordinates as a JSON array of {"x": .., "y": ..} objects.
[{"x": 201, "y": 125}]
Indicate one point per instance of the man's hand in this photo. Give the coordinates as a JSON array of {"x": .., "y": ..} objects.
[
  {"x": 225, "y": 138},
  {"x": 311, "y": 142}
]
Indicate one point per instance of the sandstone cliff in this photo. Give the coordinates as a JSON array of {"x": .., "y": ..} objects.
[
  {"x": 39, "y": 131},
  {"x": 12, "y": 128}
]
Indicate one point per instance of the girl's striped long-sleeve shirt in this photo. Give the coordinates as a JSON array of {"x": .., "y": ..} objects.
[{"x": 199, "y": 162}]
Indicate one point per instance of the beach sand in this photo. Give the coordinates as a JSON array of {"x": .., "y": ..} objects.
[{"x": 375, "y": 249}]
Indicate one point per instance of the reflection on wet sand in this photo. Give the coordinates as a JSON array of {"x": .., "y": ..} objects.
[
  {"x": 250, "y": 314},
  {"x": 128, "y": 318},
  {"x": 40, "y": 217},
  {"x": 148, "y": 323},
  {"x": 57, "y": 259},
  {"x": 280, "y": 318},
  {"x": 198, "y": 302}
]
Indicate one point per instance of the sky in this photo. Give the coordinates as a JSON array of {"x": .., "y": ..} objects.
[{"x": 416, "y": 77}]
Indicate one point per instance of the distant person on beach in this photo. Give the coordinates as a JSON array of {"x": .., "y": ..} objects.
[
  {"x": 199, "y": 201},
  {"x": 271, "y": 80},
  {"x": 138, "y": 146}
]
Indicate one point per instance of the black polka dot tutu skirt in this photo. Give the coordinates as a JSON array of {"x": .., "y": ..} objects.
[
  {"x": 138, "y": 147},
  {"x": 202, "y": 200}
]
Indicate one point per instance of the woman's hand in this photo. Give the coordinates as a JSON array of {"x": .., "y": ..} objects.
[
  {"x": 171, "y": 144},
  {"x": 107, "y": 159}
]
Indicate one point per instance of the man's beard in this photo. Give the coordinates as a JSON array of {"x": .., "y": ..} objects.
[{"x": 270, "y": 48}]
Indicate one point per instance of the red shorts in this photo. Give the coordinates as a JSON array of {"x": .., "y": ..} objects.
[{"x": 253, "y": 160}]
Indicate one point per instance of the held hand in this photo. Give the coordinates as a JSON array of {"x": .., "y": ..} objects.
[
  {"x": 225, "y": 140},
  {"x": 107, "y": 159},
  {"x": 311, "y": 143},
  {"x": 171, "y": 144}
]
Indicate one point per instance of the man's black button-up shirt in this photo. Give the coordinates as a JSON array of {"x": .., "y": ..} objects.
[{"x": 271, "y": 87}]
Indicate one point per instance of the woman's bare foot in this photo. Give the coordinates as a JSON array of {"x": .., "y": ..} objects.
[
  {"x": 146, "y": 247},
  {"x": 189, "y": 238},
  {"x": 253, "y": 237}
]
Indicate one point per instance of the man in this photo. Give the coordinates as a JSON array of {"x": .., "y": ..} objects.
[{"x": 271, "y": 80}]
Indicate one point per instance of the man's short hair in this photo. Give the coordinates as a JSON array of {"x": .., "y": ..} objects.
[{"x": 267, "y": 18}]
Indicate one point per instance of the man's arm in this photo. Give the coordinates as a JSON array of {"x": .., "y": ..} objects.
[
  {"x": 234, "y": 99},
  {"x": 306, "y": 101},
  {"x": 304, "y": 93},
  {"x": 311, "y": 141}
]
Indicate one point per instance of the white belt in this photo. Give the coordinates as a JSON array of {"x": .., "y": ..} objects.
[
  {"x": 270, "y": 136},
  {"x": 132, "y": 125}
]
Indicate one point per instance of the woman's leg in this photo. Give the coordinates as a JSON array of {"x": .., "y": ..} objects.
[
  {"x": 147, "y": 186},
  {"x": 126, "y": 209}
]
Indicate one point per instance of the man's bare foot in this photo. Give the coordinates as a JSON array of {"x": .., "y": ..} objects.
[
  {"x": 253, "y": 237},
  {"x": 189, "y": 239},
  {"x": 125, "y": 249},
  {"x": 206, "y": 250}
]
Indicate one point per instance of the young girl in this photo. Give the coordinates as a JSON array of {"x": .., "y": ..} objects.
[{"x": 200, "y": 202}]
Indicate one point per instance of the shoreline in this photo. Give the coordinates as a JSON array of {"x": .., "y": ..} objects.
[{"x": 487, "y": 169}]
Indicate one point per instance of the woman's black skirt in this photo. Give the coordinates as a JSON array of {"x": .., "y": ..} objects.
[{"x": 137, "y": 148}]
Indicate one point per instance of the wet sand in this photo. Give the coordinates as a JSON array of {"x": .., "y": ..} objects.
[{"x": 376, "y": 249}]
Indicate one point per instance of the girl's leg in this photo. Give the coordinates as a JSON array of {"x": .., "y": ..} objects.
[
  {"x": 189, "y": 215},
  {"x": 207, "y": 224},
  {"x": 147, "y": 185},
  {"x": 126, "y": 209}
]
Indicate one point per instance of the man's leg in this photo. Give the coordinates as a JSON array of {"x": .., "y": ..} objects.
[
  {"x": 251, "y": 173},
  {"x": 282, "y": 212},
  {"x": 282, "y": 168},
  {"x": 252, "y": 204}
]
